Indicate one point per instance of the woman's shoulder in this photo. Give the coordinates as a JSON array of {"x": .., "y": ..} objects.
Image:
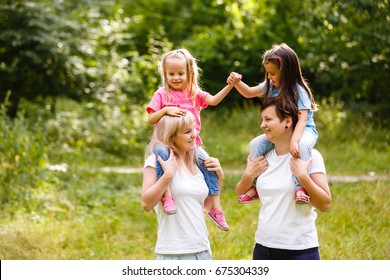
[
  {"x": 317, "y": 163},
  {"x": 316, "y": 154},
  {"x": 150, "y": 161}
]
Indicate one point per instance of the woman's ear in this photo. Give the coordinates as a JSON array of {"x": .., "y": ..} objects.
[{"x": 289, "y": 122}]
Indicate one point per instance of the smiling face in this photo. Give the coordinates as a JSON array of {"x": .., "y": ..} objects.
[
  {"x": 185, "y": 139},
  {"x": 273, "y": 73},
  {"x": 272, "y": 126},
  {"x": 176, "y": 73}
]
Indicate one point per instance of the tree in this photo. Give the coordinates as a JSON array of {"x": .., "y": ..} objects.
[{"x": 38, "y": 55}]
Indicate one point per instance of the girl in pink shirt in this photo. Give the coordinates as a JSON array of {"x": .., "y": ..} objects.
[{"x": 181, "y": 92}]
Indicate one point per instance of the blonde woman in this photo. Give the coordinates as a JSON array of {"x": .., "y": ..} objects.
[{"x": 183, "y": 235}]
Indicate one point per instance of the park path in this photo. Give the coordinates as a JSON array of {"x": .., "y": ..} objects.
[{"x": 331, "y": 178}]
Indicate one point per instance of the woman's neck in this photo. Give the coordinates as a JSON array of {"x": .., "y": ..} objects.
[
  {"x": 282, "y": 147},
  {"x": 185, "y": 162}
]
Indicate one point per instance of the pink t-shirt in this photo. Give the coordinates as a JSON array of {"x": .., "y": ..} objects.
[{"x": 179, "y": 99}]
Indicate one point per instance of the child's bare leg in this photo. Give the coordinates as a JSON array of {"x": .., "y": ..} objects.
[
  {"x": 215, "y": 202},
  {"x": 249, "y": 196},
  {"x": 167, "y": 193},
  {"x": 216, "y": 214},
  {"x": 251, "y": 192}
]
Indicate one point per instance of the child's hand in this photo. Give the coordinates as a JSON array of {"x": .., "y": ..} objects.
[
  {"x": 294, "y": 151},
  {"x": 234, "y": 78},
  {"x": 175, "y": 111}
]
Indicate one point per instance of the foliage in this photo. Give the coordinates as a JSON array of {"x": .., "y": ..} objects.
[
  {"x": 98, "y": 51},
  {"x": 38, "y": 52},
  {"x": 116, "y": 129},
  {"x": 23, "y": 156}
]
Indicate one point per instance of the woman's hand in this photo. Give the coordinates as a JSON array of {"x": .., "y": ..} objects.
[
  {"x": 169, "y": 166},
  {"x": 213, "y": 164},
  {"x": 256, "y": 167},
  {"x": 299, "y": 167}
]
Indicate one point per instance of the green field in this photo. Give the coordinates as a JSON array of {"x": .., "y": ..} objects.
[{"x": 85, "y": 213}]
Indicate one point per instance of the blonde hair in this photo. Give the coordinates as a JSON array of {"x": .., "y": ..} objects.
[
  {"x": 165, "y": 132},
  {"x": 193, "y": 80}
]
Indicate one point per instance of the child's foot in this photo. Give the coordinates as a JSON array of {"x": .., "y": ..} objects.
[
  {"x": 168, "y": 205},
  {"x": 245, "y": 198},
  {"x": 301, "y": 197},
  {"x": 218, "y": 218}
]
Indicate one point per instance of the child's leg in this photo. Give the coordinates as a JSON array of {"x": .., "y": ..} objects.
[
  {"x": 209, "y": 176},
  {"x": 167, "y": 199},
  {"x": 216, "y": 214},
  {"x": 163, "y": 152},
  {"x": 249, "y": 196},
  {"x": 259, "y": 146},
  {"x": 305, "y": 146}
]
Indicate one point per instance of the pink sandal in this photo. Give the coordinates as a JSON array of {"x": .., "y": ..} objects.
[
  {"x": 168, "y": 205},
  {"x": 218, "y": 218},
  {"x": 244, "y": 198},
  {"x": 301, "y": 197}
]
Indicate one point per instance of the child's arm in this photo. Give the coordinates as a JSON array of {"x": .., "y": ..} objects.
[
  {"x": 154, "y": 116},
  {"x": 298, "y": 132},
  {"x": 214, "y": 100},
  {"x": 244, "y": 89}
]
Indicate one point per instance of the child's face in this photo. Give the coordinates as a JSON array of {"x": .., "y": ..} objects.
[
  {"x": 273, "y": 73},
  {"x": 176, "y": 73}
]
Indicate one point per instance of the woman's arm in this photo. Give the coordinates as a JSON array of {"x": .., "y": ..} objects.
[
  {"x": 315, "y": 184},
  {"x": 253, "y": 169},
  {"x": 153, "y": 189}
]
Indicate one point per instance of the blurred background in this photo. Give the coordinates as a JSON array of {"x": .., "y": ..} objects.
[{"x": 75, "y": 78}]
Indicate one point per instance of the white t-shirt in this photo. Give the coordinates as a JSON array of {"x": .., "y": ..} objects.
[
  {"x": 283, "y": 224},
  {"x": 184, "y": 232}
]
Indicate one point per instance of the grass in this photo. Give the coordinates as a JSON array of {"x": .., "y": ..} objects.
[
  {"x": 84, "y": 213},
  {"x": 104, "y": 220}
]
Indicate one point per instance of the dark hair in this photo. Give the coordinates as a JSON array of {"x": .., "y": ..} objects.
[
  {"x": 289, "y": 110},
  {"x": 291, "y": 76}
]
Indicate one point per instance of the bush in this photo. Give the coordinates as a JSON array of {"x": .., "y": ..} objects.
[{"x": 23, "y": 157}]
